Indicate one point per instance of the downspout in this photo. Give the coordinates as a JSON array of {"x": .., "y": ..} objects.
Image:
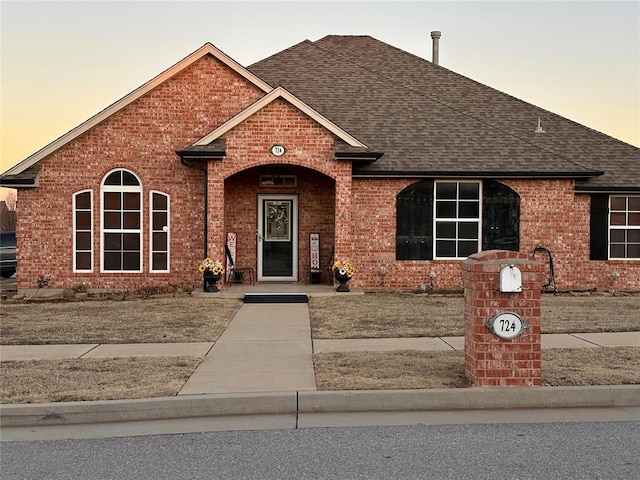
[{"x": 206, "y": 200}]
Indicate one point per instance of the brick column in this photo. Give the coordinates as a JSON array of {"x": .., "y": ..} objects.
[
  {"x": 489, "y": 359},
  {"x": 215, "y": 216},
  {"x": 343, "y": 243}
]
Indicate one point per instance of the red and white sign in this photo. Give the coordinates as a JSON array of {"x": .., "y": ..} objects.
[
  {"x": 231, "y": 243},
  {"x": 314, "y": 251}
]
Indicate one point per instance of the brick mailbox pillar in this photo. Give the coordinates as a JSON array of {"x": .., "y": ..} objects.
[{"x": 502, "y": 318}]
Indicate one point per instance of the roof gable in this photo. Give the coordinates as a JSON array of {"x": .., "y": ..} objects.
[
  {"x": 206, "y": 49},
  {"x": 282, "y": 93}
]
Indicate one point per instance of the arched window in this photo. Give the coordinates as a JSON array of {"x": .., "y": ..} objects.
[
  {"x": 500, "y": 217},
  {"x": 121, "y": 222},
  {"x": 414, "y": 222},
  {"x": 464, "y": 215}
]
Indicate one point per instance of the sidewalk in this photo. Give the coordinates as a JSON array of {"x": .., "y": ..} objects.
[{"x": 267, "y": 335}]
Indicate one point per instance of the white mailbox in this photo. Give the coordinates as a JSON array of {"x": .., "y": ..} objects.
[{"x": 510, "y": 279}]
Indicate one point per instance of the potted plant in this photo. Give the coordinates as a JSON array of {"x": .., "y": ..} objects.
[
  {"x": 212, "y": 271},
  {"x": 343, "y": 271}
]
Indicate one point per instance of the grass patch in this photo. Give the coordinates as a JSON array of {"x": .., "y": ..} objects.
[
  {"x": 590, "y": 314},
  {"x": 165, "y": 320},
  {"x": 41, "y": 381},
  {"x": 402, "y": 369},
  {"x": 382, "y": 315},
  {"x": 591, "y": 366},
  {"x": 395, "y": 315},
  {"x": 409, "y": 369}
]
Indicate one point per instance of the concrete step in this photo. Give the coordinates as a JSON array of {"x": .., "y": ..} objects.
[{"x": 276, "y": 297}]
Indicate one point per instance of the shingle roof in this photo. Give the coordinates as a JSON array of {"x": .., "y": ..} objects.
[{"x": 432, "y": 121}]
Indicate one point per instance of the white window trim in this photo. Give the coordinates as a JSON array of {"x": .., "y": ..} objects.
[
  {"x": 167, "y": 231},
  {"x": 74, "y": 229},
  {"x": 457, "y": 219},
  {"x": 620, "y": 227},
  {"x": 120, "y": 188}
]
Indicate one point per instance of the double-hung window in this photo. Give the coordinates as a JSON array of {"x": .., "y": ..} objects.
[
  {"x": 83, "y": 231},
  {"x": 624, "y": 227},
  {"x": 159, "y": 237},
  {"x": 457, "y": 219},
  {"x": 121, "y": 222}
]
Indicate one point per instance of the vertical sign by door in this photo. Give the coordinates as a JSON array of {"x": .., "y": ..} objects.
[
  {"x": 314, "y": 257},
  {"x": 231, "y": 243}
]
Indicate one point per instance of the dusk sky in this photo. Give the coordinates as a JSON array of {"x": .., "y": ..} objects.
[{"x": 63, "y": 62}]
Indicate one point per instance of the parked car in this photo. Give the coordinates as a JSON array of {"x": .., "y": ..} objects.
[{"x": 8, "y": 261}]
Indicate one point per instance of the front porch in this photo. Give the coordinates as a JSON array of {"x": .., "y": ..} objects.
[{"x": 270, "y": 211}]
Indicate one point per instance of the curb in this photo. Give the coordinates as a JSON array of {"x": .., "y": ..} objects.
[{"x": 314, "y": 402}]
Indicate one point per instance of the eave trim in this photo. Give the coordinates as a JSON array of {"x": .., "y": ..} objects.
[
  {"x": 617, "y": 190},
  {"x": 18, "y": 183},
  {"x": 359, "y": 156},
  {"x": 454, "y": 174},
  {"x": 191, "y": 155}
]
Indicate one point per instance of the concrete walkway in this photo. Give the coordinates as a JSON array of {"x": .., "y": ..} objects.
[{"x": 265, "y": 348}]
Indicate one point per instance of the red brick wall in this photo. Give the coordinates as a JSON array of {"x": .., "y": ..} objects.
[
  {"x": 551, "y": 215},
  {"x": 142, "y": 137},
  {"x": 355, "y": 216}
]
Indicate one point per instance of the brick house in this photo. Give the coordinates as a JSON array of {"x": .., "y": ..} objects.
[{"x": 400, "y": 165}]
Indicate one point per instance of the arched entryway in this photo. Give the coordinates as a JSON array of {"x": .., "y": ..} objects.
[{"x": 272, "y": 210}]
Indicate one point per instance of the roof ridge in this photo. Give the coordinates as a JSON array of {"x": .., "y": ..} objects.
[
  {"x": 248, "y": 67},
  {"x": 457, "y": 110}
]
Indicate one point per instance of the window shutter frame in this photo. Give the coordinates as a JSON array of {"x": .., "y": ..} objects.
[
  {"x": 414, "y": 222},
  {"x": 599, "y": 227},
  {"x": 501, "y": 229}
]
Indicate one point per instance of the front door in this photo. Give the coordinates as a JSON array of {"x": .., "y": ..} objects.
[{"x": 278, "y": 237}]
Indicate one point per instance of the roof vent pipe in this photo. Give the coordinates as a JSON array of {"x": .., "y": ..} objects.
[{"x": 435, "y": 35}]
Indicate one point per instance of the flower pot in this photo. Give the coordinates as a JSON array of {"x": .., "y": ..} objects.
[
  {"x": 209, "y": 282},
  {"x": 342, "y": 279}
]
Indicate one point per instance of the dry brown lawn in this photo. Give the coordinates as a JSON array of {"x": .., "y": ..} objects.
[
  {"x": 410, "y": 369},
  {"x": 412, "y": 315},
  {"x": 39, "y": 381},
  {"x": 402, "y": 369},
  {"x": 156, "y": 320},
  {"x": 159, "y": 320}
]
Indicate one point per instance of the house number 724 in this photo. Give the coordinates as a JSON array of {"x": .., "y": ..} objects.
[
  {"x": 278, "y": 150},
  {"x": 507, "y": 325}
]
